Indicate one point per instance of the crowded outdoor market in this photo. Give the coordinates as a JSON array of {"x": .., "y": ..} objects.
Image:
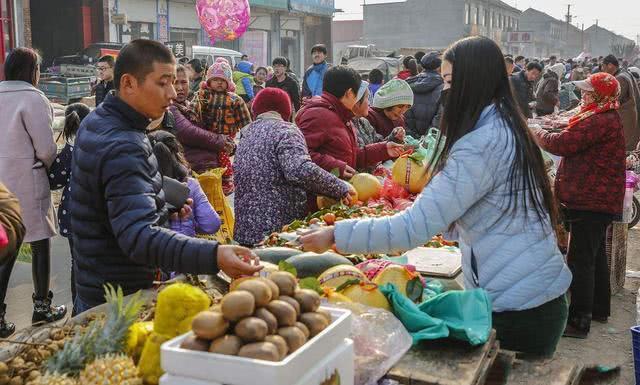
[{"x": 271, "y": 201}]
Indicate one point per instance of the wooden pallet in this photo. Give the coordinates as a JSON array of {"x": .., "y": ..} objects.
[{"x": 446, "y": 362}]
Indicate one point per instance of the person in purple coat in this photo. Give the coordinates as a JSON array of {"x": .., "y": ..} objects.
[{"x": 171, "y": 163}]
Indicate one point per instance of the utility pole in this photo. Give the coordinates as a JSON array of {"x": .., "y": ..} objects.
[
  {"x": 582, "y": 38},
  {"x": 569, "y": 17}
]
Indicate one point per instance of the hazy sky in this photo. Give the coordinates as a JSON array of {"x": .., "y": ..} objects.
[{"x": 620, "y": 16}]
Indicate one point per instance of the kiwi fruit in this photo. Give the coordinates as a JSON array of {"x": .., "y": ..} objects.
[
  {"x": 261, "y": 351},
  {"x": 304, "y": 329},
  {"x": 260, "y": 291},
  {"x": 228, "y": 344},
  {"x": 291, "y": 301},
  {"x": 194, "y": 343},
  {"x": 284, "y": 313},
  {"x": 280, "y": 343},
  {"x": 326, "y": 314},
  {"x": 251, "y": 329},
  {"x": 315, "y": 322},
  {"x": 309, "y": 300},
  {"x": 267, "y": 317},
  {"x": 275, "y": 291},
  {"x": 286, "y": 282},
  {"x": 237, "y": 305},
  {"x": 209, "y": 325},
  {"x": 293, "y": 336}
]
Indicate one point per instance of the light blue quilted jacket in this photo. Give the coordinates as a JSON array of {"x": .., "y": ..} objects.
[{"x": 511, "y": 254}]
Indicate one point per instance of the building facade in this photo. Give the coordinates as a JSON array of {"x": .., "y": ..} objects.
[
  {"x": 435, "y": 24},
  {"x": 277, "y": 27},
  {"x": 549, "y": 36},
  {"x": 600, "y": 41}
]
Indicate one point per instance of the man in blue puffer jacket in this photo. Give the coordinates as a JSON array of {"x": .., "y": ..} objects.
[{"x": 117, "y": 202}]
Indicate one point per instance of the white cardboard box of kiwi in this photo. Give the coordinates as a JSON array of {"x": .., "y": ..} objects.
[{"x": 265, "y": 329}]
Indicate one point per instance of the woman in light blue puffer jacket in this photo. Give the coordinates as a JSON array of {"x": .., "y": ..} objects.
[{"x": 491, "y": 185}]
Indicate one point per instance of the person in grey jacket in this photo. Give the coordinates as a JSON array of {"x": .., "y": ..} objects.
[
  {"x": 426, "y": 88},
  {"x": 490, "y": 183}
]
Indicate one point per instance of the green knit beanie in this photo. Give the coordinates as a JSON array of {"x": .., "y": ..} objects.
[{"x": 393, "y": 93}]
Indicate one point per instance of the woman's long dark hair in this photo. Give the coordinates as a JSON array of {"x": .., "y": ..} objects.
[
  {"x": 170, "y": 155},
  {"x": 479, "y": 79}
]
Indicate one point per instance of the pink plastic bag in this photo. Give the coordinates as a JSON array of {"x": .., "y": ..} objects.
[{"x": 391, "y": 189}]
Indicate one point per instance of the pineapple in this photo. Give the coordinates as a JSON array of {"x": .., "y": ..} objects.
[
  {"x": 102, "y": 337},
  {"x": 111, "y": 369},
  {"x": 54, "y": 379}
]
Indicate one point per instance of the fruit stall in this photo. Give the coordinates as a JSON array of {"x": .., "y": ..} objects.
[{"x": 306, "y": 319}]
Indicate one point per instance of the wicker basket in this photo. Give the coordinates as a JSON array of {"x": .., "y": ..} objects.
[{"x": 616, "y": 248}]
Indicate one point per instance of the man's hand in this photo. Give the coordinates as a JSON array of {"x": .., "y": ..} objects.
[
  {"x": 351, "y": 197},
  {"x": 237, "y": 261},
  {"x": 185, "y": 211},
  {"x": 348, "y": 172},
  {"x": 394, "y": 149}
]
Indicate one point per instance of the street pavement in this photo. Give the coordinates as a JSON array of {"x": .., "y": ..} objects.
[{"x": 19, "y": 303}]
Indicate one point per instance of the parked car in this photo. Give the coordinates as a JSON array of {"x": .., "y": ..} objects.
[{"x": 208, "y": 55}]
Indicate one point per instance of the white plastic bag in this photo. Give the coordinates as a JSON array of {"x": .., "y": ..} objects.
[{"x": 380, "y": 341}]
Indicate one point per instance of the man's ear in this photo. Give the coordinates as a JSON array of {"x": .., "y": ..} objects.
[{"x": 128, "y": 84}]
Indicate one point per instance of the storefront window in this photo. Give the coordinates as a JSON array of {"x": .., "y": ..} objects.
[
  {"x": 290, "y": 48},
  {"x": 6, "y": 29},
  {"x": 189, "y": 36}
]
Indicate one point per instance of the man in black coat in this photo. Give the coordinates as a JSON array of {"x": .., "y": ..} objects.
[
  {"x": 117, "y": 203},
  {"x": 426, "y": 88},
  {"x": 105, "y": 76},
  {"x": 522, "y": 84},
  {"x": 283, "y": 80}
]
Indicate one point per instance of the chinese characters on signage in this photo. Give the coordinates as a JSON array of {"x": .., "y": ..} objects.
[{"x": 177, "y": 47}]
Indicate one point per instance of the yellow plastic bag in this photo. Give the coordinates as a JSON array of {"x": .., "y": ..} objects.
[{"x": 211, "y": 182}]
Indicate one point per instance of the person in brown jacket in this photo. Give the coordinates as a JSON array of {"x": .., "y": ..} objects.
[
  {"x": 12, "y": 231},
  {"x": 629, "y": 101}
]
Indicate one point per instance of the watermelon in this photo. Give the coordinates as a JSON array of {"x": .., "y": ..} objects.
[
  {"x": 312, "y": 264},
  {"x": 276, "y": 254}
]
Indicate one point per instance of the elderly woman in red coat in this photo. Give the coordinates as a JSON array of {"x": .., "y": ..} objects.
[{"x": 590, "y": 186}]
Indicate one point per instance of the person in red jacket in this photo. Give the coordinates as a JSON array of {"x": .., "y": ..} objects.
[
  {"x": 590, "y": 186},
  {"x": 326, "y": 124}
]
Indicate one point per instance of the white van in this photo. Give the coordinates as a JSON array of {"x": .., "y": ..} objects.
[{"x": 208, "y": 55}]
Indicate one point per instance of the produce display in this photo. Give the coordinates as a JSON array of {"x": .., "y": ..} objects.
[{"x": 261, "y": 318}]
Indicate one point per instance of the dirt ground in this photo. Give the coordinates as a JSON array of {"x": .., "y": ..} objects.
[{"x": 610, "y": 344}]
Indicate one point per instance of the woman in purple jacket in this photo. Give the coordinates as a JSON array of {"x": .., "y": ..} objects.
[{"x": 171, "y": 163}]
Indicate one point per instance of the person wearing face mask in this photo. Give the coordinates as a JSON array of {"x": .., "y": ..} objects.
[
  {"x": 331, "y": 138},
  {"x": 118, "y": 209},
  {"x": 390, "y": 104},
  {"x": 590, "y": 185}
]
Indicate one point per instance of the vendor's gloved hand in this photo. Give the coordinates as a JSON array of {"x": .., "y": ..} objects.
[
  {"x": 237, "y": 261},
  {"x": 394, "y": 149},
  {"x": 398, "y": 134},
  {"x": 318, "y": 241}
]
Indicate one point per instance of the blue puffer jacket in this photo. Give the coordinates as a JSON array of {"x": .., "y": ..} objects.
[
  {"x": 516, "y": 257},
  {"x": 117, "y": 206}
]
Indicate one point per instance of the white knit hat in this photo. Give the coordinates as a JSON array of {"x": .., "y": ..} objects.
[{"x": 395, "y": 92}]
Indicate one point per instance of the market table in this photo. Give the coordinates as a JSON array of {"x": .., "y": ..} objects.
[{"x": 446, "y": 362}]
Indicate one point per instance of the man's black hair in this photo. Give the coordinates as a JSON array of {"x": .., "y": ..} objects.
[
  {"x": 376, "y": 76},
  {"x": 110, "y": 60},
  {"x": 508, "y": 59},
  {"x": 518, "y": 58},
  {"x": 611, "y": 59},
  {"x": 320, "y": 48},
  {"x": 137, "y": 58},
  {"x": 534, "y": 65},
  {"x": 418, "y": 55},
  {"x": 339, "y": 79},
  {"x": 553, "y": 57},
  {"x": 196, "y": 64},
  {"x": 280, "y": 60}
]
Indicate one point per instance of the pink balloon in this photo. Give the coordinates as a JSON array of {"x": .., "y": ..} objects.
[{"x": 223, "y": 19}]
